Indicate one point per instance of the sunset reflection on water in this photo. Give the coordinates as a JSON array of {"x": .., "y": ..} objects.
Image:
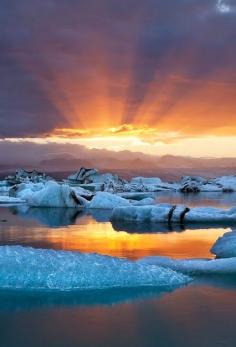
[{"x": 90, "y": 236}]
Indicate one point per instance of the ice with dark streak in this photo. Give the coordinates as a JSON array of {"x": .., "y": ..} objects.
[{"x": 176, "y": 214}]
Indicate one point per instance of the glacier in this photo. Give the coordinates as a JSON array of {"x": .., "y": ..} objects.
[{"x": 26, "y": 268}]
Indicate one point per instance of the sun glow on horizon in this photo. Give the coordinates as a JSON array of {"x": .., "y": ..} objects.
[
  {"x": 102, "y": 110},
  {"x": 159, "y": 144},
  {"x": 119, "y": 76}
]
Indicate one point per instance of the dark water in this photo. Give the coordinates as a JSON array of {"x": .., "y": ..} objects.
[
  {"x": 202, "y": 314},
  {"x": 198, "y": 315}
]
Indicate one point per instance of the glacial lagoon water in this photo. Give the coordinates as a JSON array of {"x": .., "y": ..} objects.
[{"x": 200, "y": 314}]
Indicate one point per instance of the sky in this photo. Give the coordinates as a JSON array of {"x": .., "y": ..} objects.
[{"x": 156, "y": 76}]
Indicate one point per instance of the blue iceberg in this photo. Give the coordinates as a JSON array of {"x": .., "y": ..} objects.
[{"x": 27, "y": 268}]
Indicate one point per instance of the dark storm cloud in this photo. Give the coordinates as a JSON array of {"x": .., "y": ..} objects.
[
  {"x": 44, "y": 42},
  {"x": 188, "y": 38}
]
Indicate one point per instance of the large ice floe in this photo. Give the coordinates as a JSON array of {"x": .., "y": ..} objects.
[
  {"x": 174, "y": 214},
  {"x": 36, "y": 269},
  {"x": 225, "y": 246},
  {"x": 53, "y": 194}
]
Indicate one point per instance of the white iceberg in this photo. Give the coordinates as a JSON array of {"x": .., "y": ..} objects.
[
  {"x": 174, "y": 214},
  {"x": 36, "y": 269},
  {"x": 211, "y": 215},
  {"x": 54, "y": 195},
  {"x": 160, "y": 213},
  {"x": 225, "y": 246},
  {"x": 104, "y": 200}
]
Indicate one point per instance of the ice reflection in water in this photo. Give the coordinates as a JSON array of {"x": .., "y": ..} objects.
[
  {"x": 201, "y": 314},
  {"x": 92, "y": 232}
]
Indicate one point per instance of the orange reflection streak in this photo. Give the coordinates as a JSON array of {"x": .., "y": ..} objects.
[
  {"x": 104, "y": 240},
  {"x": 90, "y": 236}
]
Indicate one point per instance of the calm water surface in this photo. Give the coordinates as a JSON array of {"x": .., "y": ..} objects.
[{"x": 202, "y": 314}]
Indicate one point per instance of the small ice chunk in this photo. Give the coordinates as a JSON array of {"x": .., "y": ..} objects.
[{"x": 225, "y": 246}]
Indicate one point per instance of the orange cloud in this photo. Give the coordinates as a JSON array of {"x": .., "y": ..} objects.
[{"x": 144, "y": 74}]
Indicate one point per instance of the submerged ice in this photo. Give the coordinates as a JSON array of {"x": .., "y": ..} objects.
[{"x": 36, "y": 269}]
